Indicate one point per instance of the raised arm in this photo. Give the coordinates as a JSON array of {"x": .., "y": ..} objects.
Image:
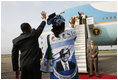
[
  {"x": 72, "y": 22},
  {"x": 40, "y": 28}
]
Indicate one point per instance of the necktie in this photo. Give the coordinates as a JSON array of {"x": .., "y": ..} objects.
[{"x": 66, "y": 68}]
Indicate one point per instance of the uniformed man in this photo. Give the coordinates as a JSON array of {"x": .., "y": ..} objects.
[{"x": 92, "y": 53}]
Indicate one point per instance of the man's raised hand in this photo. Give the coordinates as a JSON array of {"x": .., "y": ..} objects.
[
  {"x": 72, "y": 22},
  {"x": 43, "y": 13}
]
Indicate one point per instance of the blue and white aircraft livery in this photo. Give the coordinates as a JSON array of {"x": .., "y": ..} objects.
[{"x": 102, "y": 32}]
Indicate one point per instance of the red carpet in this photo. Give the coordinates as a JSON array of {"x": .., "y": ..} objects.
[{"x": 103, "y": 76}]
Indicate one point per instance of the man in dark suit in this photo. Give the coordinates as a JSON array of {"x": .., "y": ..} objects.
[
  {"x": 64, "y": 64},
  {"x": 31, "y": 54},
  {"x": 80, "y": 18},
  {"x": 92, "y": 52}
]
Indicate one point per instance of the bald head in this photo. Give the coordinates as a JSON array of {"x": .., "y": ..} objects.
[{"x": 92, "y": 42}]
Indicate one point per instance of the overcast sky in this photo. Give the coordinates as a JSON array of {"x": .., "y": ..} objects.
[{"x": 15, "y": 13}]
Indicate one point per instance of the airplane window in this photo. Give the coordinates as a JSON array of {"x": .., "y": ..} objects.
[
  {"x": 102, "y": 18},
  {"x": 111, "y": 17},
  {"x": 106, "y": 17},
  {"x": 114, "y": 17}
]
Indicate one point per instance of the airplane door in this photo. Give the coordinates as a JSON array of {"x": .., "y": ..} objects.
[{"x": 90, "y": 22}]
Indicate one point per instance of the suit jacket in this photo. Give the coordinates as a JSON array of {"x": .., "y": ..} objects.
[
  {"x": 59, "y": 66},
  {"x": 28, "y": 45},
  {"x": 93, "y": 51}
]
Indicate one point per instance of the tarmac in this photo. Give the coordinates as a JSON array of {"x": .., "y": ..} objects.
[{"x": 107, "y": 65}]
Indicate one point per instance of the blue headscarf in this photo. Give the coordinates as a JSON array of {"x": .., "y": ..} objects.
[
  {"x": 58, "y": 19},
  {"x": 55, "y": 20}
]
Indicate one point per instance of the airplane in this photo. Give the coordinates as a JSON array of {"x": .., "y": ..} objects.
[
  {"x": 100, "y": 20},
  {"x": 105, "y": 21}
]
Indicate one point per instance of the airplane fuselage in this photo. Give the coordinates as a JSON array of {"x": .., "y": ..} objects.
[{"x": 105, "y": 21}]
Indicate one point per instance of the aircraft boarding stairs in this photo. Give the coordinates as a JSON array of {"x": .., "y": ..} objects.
[{"x": 83, "y": 37}]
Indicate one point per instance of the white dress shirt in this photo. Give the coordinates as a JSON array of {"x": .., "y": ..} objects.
[{"x": 63, "y": 64}]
